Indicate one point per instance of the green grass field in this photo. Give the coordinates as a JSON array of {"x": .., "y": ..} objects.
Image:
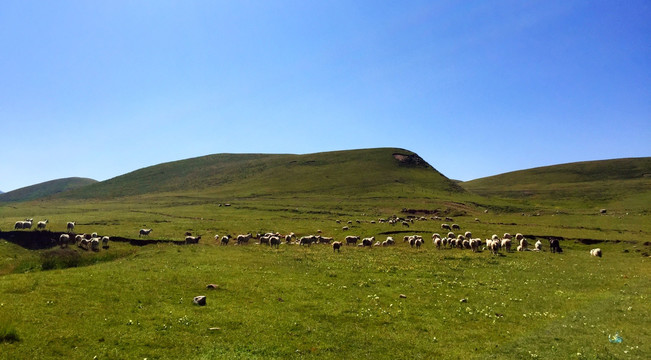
[{"x": 133, "y": 302}]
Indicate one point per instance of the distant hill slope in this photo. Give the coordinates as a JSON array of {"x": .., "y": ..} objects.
[
  {"x": 45, "y": 189},
  {"x": 375, "y": 172},
  {"x": 590, "y": 180}
]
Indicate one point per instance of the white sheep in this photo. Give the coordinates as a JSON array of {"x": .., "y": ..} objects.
[
  {"x": 94, "y": 244},
  {"x": 595, "y": 252},
  {"x": 506, "y": 244},
  {"x": 105, "y": 241},
  {"x": 144, "y": 232},
  {"x": 438, "y": 242},
  {"x": 42, "y": 224},
  {"x": 537, "y": 246},
  {"x": 71, "y": 226},
  {"x": 64, "y": 239}
]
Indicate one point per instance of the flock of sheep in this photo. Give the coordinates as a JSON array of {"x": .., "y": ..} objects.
[{"x": 462, "y": 241}]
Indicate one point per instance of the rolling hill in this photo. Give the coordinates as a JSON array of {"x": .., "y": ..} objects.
[
  {"x": 591, "y": 181},
  {"x": 378, "y": 172},
  {"x": 45, "y": 189}
]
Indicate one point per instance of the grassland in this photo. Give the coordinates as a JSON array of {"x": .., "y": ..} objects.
[{"x": 308, "y": 302}]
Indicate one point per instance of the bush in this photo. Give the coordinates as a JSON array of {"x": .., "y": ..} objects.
[
  {"x": 8, "y": 332},
  {"x": 60, "y": 259}
]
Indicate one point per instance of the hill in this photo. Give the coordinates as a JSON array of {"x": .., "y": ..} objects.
[
  {"x": 368, "y": 172},
  {"x": 592, "y": 181},
  {"x": 45, "y": 189}
]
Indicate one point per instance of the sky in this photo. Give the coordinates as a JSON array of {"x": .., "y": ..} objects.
[{"x": 98, "y": 89}]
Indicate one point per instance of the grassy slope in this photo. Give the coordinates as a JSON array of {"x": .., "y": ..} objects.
[
  {"x": 355, "y": 172},
  {"x": 621, "y": 181},
  {"x": 45, "y": 189}
]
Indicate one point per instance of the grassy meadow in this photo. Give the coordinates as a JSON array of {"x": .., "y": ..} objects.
[
  {"x": 308, "y": 302},
  {"x": 135, "y": 302}
]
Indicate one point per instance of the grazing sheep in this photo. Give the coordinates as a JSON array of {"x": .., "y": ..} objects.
[
  {"x": 456, "y": 227},
  {"x": 495, "y": 237},
  {"x": 468, "y": 235},
  {"x": 274, "y": 241},
  {"x": 446, "y": 227},
  {"x": 324, "y": 240},
  {"x": 451, "y": 235},
  {"x": 192, "y": 239},
  {"x": 42, "y": 224},
  {"x": 352, "y": 239},
  {"x": 406, "y": 224},
  {"x": 506, "y": 244},
  {"x": 71, "y": 226},
  {"x": 18, "y": 225},
  {"x": 595, "y": 252},
  {"x": 64, "y": 239},
  {"x": 435, "y": 236},
  {"x": 390, "y": 241},
  {"x": 537, "y": 246},
  {"x": 27, "y": 224},
  {"x": 523, "y": 244},
  {"x": 144, "y": 232},
  {"x": 507, "y": 236},
  {"x": 105, "y": 241},
  {"x": 466, "y": 244},
  {"x": 84, "y": 244},
  {"x": 336, "y": 246},
  {"x": 78, "y": 238},
  {"x": 307, "y": 240},
  {"x": 368, "y": 241},
  {"x": 555, "y": 246},
  {"x": 225, "y": 239},
  {"x": 345, "y": 228},
  {"x": 418, "y": 243},
  {"x": 94, "y": 243},
  {"x": 519, "y": 236},
  {"x": 474, "y": 244},
  {"x": 438, "y": 242},
  {"x": 243, "y": 239}
]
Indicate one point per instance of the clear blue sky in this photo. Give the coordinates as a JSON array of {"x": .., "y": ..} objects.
[{"x": 477, "y": 88}]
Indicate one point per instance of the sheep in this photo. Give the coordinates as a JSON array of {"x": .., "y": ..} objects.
[
  {"x": 144, "y": 232},
  {"x": 456, "y": 227},
  {"x": 94, "y": 244},
  {"x": 42, "y": 224},
  {"x": 345, "y": 228},
  {"x": 368, "y": 241},
  {"x": 495, "y": 237},
  {"x": 64, "y": 239},
  {"x": 274, "y": 241},
  {"x": 27, "y": 224},
  {"x": 336, "y": 246},
  {"x": 523, "y": 244},
  {"x": 595, "y": 252},
  {"x": 406, "y": 224},
  {"x": 390, "y": 241},
  {"x": 468, "y": 235},
  {"x": 446, "y": 227},
  {"x": 435, "y": 236},
  {"x": 507, "y": 236},
  {"x": 506, "y": 244},
  {"x": 538, "y": 246},
  {"x": 418, "y": 243},
  {"x": 451, "y": 235},
  {"x": 71, "y": 226},
  {"x": 84, "y": 244},
  {"x": 242, "y": 239},
  {"x": 192, "y": 239},
  {"x": 307, "y": 240},
  {"x": 78, "y": 238},
  {"x": 437, "y": 243},
  {"x": 474, "y": 244},
  {"x": 264, "y": 239},
  {"x": 225, "y": 239},
  {"x": 324, "y": 240},
  {"x": 466, "y": 244},
  {"x": 18, "y": 225},
  {"x": 105, "y": 241},
  {"x": 555, "y": 246},
  {"x": 352, "y": 239}
]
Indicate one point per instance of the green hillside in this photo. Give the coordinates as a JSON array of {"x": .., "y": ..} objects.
[
  {"x": 369, "y": 172},
  {"x": 592, "y": 181},
  {"x": 45, "y": 189}
]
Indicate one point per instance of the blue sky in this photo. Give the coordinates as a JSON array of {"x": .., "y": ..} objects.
[{"x": 477, "y": 88}]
